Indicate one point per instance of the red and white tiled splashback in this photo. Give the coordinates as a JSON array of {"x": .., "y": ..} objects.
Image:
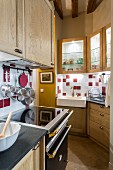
[
  {"x": 8, "y": 76},
  {"x": 81, "y": 83}
]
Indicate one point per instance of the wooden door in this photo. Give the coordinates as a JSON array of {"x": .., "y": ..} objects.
[{"x": 11, "y": 27}]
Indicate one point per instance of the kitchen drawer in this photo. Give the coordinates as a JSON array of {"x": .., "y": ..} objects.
[
  {"x": 100, "y": 117},
  {"x": 99, "y": 133},
  {"x": 100, "y": 108}
]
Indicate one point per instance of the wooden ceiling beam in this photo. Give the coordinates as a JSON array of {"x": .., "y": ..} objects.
[
  {"x": 92, "y": 5},
  {"x": 74, "y": 8},
  {"x": 58, "y": 7}
]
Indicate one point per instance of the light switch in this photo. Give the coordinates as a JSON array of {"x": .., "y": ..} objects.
[{"x": 41, "y": 90}]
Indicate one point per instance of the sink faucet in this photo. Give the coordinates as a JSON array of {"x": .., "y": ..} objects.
[{"x": 72, "y": 91}]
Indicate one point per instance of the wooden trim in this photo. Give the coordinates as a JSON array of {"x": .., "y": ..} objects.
[
  {"x": 105, "y": 68},
  {"x": 59, "y": 62},
  {"x": 91, "y": 6}
]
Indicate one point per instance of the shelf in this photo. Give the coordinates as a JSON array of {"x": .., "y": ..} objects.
[
  {"x": 72, "y": 53},
  {"x": 72, "y": 64},
  {"x": 95, "y": 48}
]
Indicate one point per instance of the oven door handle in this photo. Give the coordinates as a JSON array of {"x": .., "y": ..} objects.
[
  {"x": 60, "y": 126},
  {"x": 51, "y": 156}
]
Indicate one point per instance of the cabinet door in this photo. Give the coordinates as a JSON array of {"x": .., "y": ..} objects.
[
  {"x": 78, "y": 120},
  {"x": 107, "y": 48},
  {"x": 94, "y": 52},
  {"x": 99, "y": 133},
  {"x": 27, "y": 163},
  {"x": 38, "y": 35},
  {"x": 11, "y": 26},
  {"x": 72, "y": 55}
]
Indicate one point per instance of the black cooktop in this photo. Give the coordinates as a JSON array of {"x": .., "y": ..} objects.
[{"x": 38, "y": 115}]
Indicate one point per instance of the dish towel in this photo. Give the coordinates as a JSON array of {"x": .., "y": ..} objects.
[{"x": 107, "y": 99}]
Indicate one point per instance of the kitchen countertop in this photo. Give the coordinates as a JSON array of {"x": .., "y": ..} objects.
[
  {"x": 27, "y": 139},
  {"x": 94, "y": 101}
]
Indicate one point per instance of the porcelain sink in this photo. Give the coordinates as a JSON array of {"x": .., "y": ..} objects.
[{"x": 72, "y": 101}]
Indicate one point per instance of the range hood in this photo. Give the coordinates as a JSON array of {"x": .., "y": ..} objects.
[{"x": 12, "y": 59}]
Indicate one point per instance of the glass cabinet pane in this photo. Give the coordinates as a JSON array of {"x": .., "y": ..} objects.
[
  {"x": 95, "y": 51},
  {"x": 108, "y": 47},
  {"x": 73, "y": 55}
]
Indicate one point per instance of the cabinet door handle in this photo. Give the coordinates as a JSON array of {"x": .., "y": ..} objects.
[
  {"x": 101, "y": 127},
  {"x": 101, "y": 114},
  {"x": 18, "y": 51},
  {"x": 101, "y": 106},
  {"x": 52, "y": 64}
]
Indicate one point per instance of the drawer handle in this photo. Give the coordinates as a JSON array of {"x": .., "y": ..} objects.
[
  {"x": 101, "y": 127},
  {"x": 101, "y": 106},
  {"x": 18, "y": 51},
  {"x": 101, "y": 114}
]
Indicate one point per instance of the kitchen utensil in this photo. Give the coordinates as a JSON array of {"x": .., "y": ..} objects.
[
  {"x": 23, "y": 80},
  {"x": 22, "y": 93},
  {"x": 28, "y": 116},
  {"x": 94, "y": 92},
  {"x": 5, "y": 126},
  {"x": 9, "y": 138},
  {"x": 27, "y": 101},
  {"x": 7, "y": 90},
  {"x": 30, "y": 92}
]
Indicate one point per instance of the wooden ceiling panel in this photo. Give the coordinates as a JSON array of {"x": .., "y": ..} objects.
[{"x": 58, "y": 7}]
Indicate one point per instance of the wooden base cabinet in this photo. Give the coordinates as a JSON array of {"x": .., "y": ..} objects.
[
  {"x": 98, "y": 120},
  {"x": 31, "y": 161},
  {"x": 78, "y": 121}
]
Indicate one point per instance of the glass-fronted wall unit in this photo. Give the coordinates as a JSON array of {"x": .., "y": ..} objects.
[
  {"x": 94, "y": 52},
  {"x": 72, "y": 56}
]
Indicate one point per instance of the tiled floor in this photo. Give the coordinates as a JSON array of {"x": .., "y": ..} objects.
[{"x": 84, "y": 154}]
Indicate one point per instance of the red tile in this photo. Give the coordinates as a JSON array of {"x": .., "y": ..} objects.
[
  {"x": 85, "y": 94},
  {"x": 30, "y": 84},
  {"x": 103, "y": 90},
  {"x": 78, "y": 87},
  {"x": 6, "y": 102},
  {"x": 97, "y": 84},
  {"x": 90, "y": 76},
  {"x": 58, "y": 80},
  {"x": 64, "y": 80},
  {"x": 79, "y": 94},
  {"x": 99, "y": 79},
  {"x": 75, "y": 80},
  {"x": 90, "y": 84},
  {"x": 64, "y": 94},
  {"x": 67, "y": 76},
  {"x": 75, "y": 87},
  {"x": 59, "y": 91},
  {"x": 1, "y": 103},
  {"x": 68, "y": 84}
]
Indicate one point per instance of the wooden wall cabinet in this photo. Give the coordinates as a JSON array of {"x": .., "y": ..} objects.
[
  {"x": 39, "y": 21},
  {"x": 72, "y": 55},
  {"x": 94, "y": 52},
  {"x": 107, "y": 48},
  {"x": 11, "y": 27},
  {"x": 99, "y": 123},
  {"x": 26, "y": 30}
]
